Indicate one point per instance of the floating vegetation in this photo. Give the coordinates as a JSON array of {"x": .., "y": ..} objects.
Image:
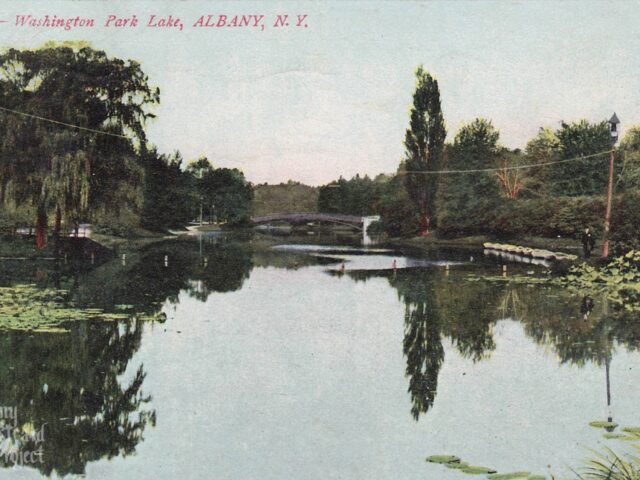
[
  {"x": 27, "y": 308},
  {"x": 455, "y": 463},
  {"x": 619, "y": 280},
  {"x": 608, "y": 466},
  {"x": 603, "y": 424},
  {"x": 616, "y": 436},
  {"x": 475, "y": 470},
  {"x": 518, "y": 279},
  {"x": 443, "y": 459}
]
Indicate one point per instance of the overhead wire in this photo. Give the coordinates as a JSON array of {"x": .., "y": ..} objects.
[
  {"x": 501, "y": 169},
  {"x": 57, "y": 122},
  {"x": 404, "y": 172}
]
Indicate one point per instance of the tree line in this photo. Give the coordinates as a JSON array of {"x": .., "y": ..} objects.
[
  {"x": 93, "y": 163},
  {"x": 74, "y": 149},
  {"x": 555, "y": 185}
]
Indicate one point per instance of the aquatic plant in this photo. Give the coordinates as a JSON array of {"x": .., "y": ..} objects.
[
  {"x": 610, "y": 466},
  {"x": 26, "y": 307},
  {"x": 603, "y": 424},
  {"x": 443, "y": 459},
  {"x": 619, "y": 280}
]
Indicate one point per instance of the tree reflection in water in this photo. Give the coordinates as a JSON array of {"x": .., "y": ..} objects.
[
  {"x": 71, "y": 383},
  {"x": 438, "y": 306},
  {"x": 425, "y": 354},
  {"x": 81, "y": 385},
  {"x": 159, "y": 272}
]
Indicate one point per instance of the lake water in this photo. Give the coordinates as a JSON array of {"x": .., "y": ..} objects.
[{"x": 314, "y": 363}]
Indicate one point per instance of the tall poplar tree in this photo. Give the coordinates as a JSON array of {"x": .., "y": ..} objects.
[{"x": 424, "y": 143}]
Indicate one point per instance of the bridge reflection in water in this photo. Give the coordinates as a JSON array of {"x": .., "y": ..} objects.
[{"x": 358, "y": 223}]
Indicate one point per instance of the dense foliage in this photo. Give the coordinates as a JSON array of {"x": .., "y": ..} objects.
[
  {"x": 169, "y": 197},
  {"x": 71, "y": 172},
  {"x": 385, "y": 196},
  {"x": 77, "y": 151},
  {"x": 106, "y": 173},
  {"x": 503, "y": 195},
  {"x": 356, "y": 196},
  {"x": 470, "y": 199},
  {"x": 581, "y": 178},
  {"x": 555, "y": 186},
  {"x": 290, "y": 197},
  {"x": 619, "y": 280}
]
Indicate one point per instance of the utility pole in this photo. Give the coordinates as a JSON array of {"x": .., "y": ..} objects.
[{"x": 613, "y": 129}]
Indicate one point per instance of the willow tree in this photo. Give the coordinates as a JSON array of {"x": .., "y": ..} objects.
[
  {"x": 53, "y": 166},
  {"x": 424, "y": 143}
]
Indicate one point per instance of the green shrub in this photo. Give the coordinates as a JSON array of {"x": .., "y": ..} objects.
[
  {"x": 545, "y": 217},
  {"x": 12, "y": 219},
  {"x": 122, "y": 225},
  {"x": 398, "y": 217},
  {"x": 625, "y": 222}
]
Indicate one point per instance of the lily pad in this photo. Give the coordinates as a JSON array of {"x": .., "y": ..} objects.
[
  {"x": 456, "y": 465},
  {"x": 509, "y": 476},
  {"x": 537, "y": 477},
  {"x": 475, "y": 470},
  {"x": 39, "y": 310},
  {"x": 443, "y": 459},
  {"x": 603, "y": 424},
  {"x": 631, "y": 430}
]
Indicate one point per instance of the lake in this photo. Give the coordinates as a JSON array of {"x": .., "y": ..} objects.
[{"x": 245, "y": 358}]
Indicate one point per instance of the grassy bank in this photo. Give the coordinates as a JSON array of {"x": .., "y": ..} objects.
[
  {"x": 144, "y": 237},
  {"x": 24, "y": 247}
]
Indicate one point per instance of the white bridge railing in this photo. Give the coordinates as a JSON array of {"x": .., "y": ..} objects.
[{"x": 366, "y": 221}]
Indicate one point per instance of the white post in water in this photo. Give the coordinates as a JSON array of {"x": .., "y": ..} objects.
[{"x": 366, "y": 221}]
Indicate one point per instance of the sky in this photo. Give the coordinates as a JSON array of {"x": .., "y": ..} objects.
[{"x": 311, "y": 104}]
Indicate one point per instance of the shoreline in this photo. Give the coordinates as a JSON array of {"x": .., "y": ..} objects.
[
  {"x": 23, "y": 246},
  {"x": 566, "y": 245}
]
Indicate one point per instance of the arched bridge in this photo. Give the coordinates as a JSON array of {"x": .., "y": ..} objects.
[
  {"x": 350, "y": 220},
  {"x": 360, "y": 223}
]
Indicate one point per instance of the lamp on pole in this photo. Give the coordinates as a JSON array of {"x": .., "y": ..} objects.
[{"x": 613, "y": 130}]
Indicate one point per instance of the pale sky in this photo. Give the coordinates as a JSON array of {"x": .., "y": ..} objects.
[{"x": 332, "y": 99}]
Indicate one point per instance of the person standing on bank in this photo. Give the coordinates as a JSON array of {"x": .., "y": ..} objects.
[{"x": 587, "y": 243}]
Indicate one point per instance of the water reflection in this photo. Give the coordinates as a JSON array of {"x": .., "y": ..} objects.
[
  {"x": 71, "y": 385},
  {"x": 83, "y": 386},
  {"x": 440, "y": 306},
  {"x": 159, "y": 272},
  {"x": 425, "y": 354},
  {"x": 88, "y": 386}
]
